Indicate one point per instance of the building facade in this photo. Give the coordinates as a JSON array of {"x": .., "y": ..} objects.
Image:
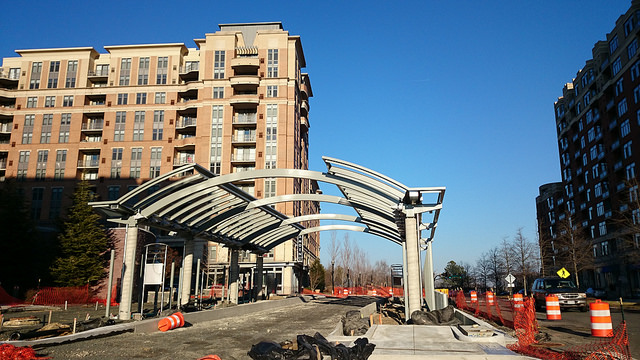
[
  {"x": 598, "y": 129},
  {"x": 238, "y": 101}
]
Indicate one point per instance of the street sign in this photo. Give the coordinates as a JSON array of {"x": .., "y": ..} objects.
[
  {"x": 563, "y": 273},
  {"x": 510, "y": 279},
  {"x": 511, "y": 285}
]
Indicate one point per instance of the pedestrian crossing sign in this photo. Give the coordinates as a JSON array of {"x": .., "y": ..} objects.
[{"x": 563, "y": 273}]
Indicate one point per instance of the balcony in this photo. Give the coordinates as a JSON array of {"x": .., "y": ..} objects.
[
  {"x": 184, "y": 159},
  {"x": 304, "y": 108},
  {"x": 245, "y": 80},
  {"x": 243, "y": 158},
  {"x": 304, "y": 122},
  {"x": 245, "y": 119},
  {"x": 102, "y": 73},
  {"x": 190, "y": 71},
  {"x": 5, "y": 128},
  {"x": 246, "y": 62},
  {"x": 186, "y": 122},
  {"x": 3, "y": 164},
  {"x": 246, "y": 101},
  {"x": 185, "y": 142},
  {"x": 243, "y": 138},
  {"x": 9, "y": 78},
  {"x": 88, "y": 163},
  {"x": 93, "y": 126}
]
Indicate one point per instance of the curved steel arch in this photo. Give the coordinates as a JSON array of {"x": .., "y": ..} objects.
[{"x": 196, "y": 201}]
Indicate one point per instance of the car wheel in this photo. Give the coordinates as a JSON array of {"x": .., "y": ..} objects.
[{"x": 584, "y": 308}]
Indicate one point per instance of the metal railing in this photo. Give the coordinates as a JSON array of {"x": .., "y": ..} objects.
[
  {"x": 243, "y": 157},
  {"x": 101, "y": 72},
  {"x": 186, "y": 121},
  {"x": 89, "y": 163},
  {"x": 244, "y": 138},
  {"x": 93, "y": 126},
  {"x": 244, "y": 119},
  {"x": 184, "y": 161},
  {"x": 194, "y": 66}
]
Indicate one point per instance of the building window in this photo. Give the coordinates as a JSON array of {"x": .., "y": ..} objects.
[
  {"x": 600, "y": 209},
  {"x": 49, "y": 101},
  {"x": 45, "y": 134},
  {"x": 633, "y": 193},
  {"x": 272, "y": 91},
  {"x": 67, "y": 100},
  {"x": 631, "y": 171},
  {"x": 628, "y": 26},
  {"x": 141, "y": 98},
  {"x": 635, "y": 216},
  {"x": 27, "y": 130},
  {"x": 116, "y": 163},
  {"x": 143, "y": 71},
  {"x": 56, "y": 203},
  {"x": 625, "y": 128},
  {"x": 113, "y": 192},
  {"x": 632, "y": 49},
  {"x": 635, "y": 71},
  {"x": 616, "y": 66},
  {"x": 218, "y": 64},
  {"x": 619, "y": 87},
  {"x": 61, "y": 163},
  {"x": 41, "y": 164},
  {"x": 54, "y": 72},
  {"x": 36, "y": 202},
  {"x": 622, "y": 107},
  {"x": 32, "y": 102},
  {"x": 122, "y": 99},
  {"x": 23, "y": 164},
  {"x": 271, "y": 140},
  {"x": 138, "y": 126},
  {"x": 72, "y": 69},
  {"x": 161, "y": 98},
  {"x": 125, "y": 71},
  {"x": 218, "y": 92},
  {"x": 156, "y": 161},
  {"x": 36, "y": 72},
  {"x": 118, "y": 133},
  {"x": 269, "y": 187},
  {"x": 613, "y": 44},
  {"x": 215, "y": 157},
  {"x": 604, "y": 248},
  {"x": 163, "y": 65},
  {"x": 626, "y": 149},
  {"x": 136, "y": 162},
  {"x": 158, "y": 124},
  {"x": 272, "y": 63},
  {"x": 65, "y": 127}
]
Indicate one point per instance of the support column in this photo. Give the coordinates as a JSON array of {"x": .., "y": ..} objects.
[
  {"x": 234, "y": 269},
  {"x": 413, "y": 265},
  {"x": 259, "y": 276},
  {"x": 405, "y": 290},
  {"x": 187, "y": 269},
  {"x": 131, "y": 239},
  {"x": 427, "y": 277}
]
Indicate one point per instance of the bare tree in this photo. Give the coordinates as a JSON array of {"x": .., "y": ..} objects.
[
  {"x": 526, "y": 257},
  {"x": 574, "y": 248},
  {"x": 346, "y": 260},
  {"x": 627, "y": 229},
  {"x": 547, "y": 254},
  {"x": 482, "y": 270},
  {"x": 334, "y": 251},
  {"x": 495, "y": 267}
]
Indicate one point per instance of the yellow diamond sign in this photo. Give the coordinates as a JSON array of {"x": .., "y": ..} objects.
[{"x": 563, "y": 273}]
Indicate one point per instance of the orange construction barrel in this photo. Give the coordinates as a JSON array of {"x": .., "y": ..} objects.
[
  {"x": 553, "y": 308},
  {"x": 518, "y": 302},
  {"x": 489, "y": 298},
  {"x": 600, "y": 319},
  {"x": 171, "y": 322},
  {"x": 345, "y": 292},
  {"x": 474, "y": 296},
  {"x": 375, "y": 293}
]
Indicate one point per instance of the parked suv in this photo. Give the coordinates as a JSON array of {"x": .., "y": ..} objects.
[{"x": 567, "y": 292}]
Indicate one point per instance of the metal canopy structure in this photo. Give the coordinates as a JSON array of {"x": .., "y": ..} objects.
[{"x": 194, "y": 202}]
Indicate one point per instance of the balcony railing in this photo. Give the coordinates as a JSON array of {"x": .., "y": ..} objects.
[
  {"x": 5, "y": 128},
  {"x": 7, "y": 74},
  {"x": 185, "y": 122},
  {"x": 194, "y": 66},
  {"x": 184, "y": 160},
  {"x": 93, "y": 126},
  {"x": 243, "y": 157},
  {"x": 244, "y": 138},
  {"x": 101, "y": 72},
  {"x": 3, "y": 164},
  {"x": 89, "y": 163},
  {"x": 245, "y": 119}
]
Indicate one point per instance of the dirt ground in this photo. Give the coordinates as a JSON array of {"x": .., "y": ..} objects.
[{"x": 228, "y": 338}]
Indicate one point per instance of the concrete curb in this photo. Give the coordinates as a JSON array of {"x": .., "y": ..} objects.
[{"x": 151, "y": 325}]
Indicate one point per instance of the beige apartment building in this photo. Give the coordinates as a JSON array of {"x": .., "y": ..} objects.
[{"x": 238, "y": 101}]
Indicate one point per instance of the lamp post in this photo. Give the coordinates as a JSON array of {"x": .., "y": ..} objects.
[{"x": 333, "y": 286}]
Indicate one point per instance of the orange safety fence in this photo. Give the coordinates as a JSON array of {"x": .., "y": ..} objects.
[
  {"x": 6, "y": 299},
  {"x": 525, "y": 324},
  {"x": 60, "y": 295}
]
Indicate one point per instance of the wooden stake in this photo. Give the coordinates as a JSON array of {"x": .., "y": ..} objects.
[
  {"x": 49, "y": 321},
  {"x": 370, "y": 319},
  {"x": 74, "y": 325},
  {"x": 380, "y": 316}
]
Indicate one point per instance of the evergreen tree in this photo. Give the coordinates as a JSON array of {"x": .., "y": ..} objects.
[
  {"x": 316, "y": 275},
  {"x": 84, "y": 243}
]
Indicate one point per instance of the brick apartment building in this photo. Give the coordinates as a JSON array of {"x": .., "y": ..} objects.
[
  {"x": 237, "y": 101},
  {"x": 598, "y": 129}
]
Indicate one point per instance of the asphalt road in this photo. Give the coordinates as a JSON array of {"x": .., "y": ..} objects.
[
  {"x": 228, "y": 338},
  {"x": 575, "y": 328}
]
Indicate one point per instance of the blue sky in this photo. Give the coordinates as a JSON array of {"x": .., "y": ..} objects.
[{"x": 432, "y": 93}]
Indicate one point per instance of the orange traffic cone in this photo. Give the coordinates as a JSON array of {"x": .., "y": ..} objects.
[
  {"x": 171, "y": 322},
  {"x": 600, "y": 319},
  {"x": 553, "y": 308}
]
